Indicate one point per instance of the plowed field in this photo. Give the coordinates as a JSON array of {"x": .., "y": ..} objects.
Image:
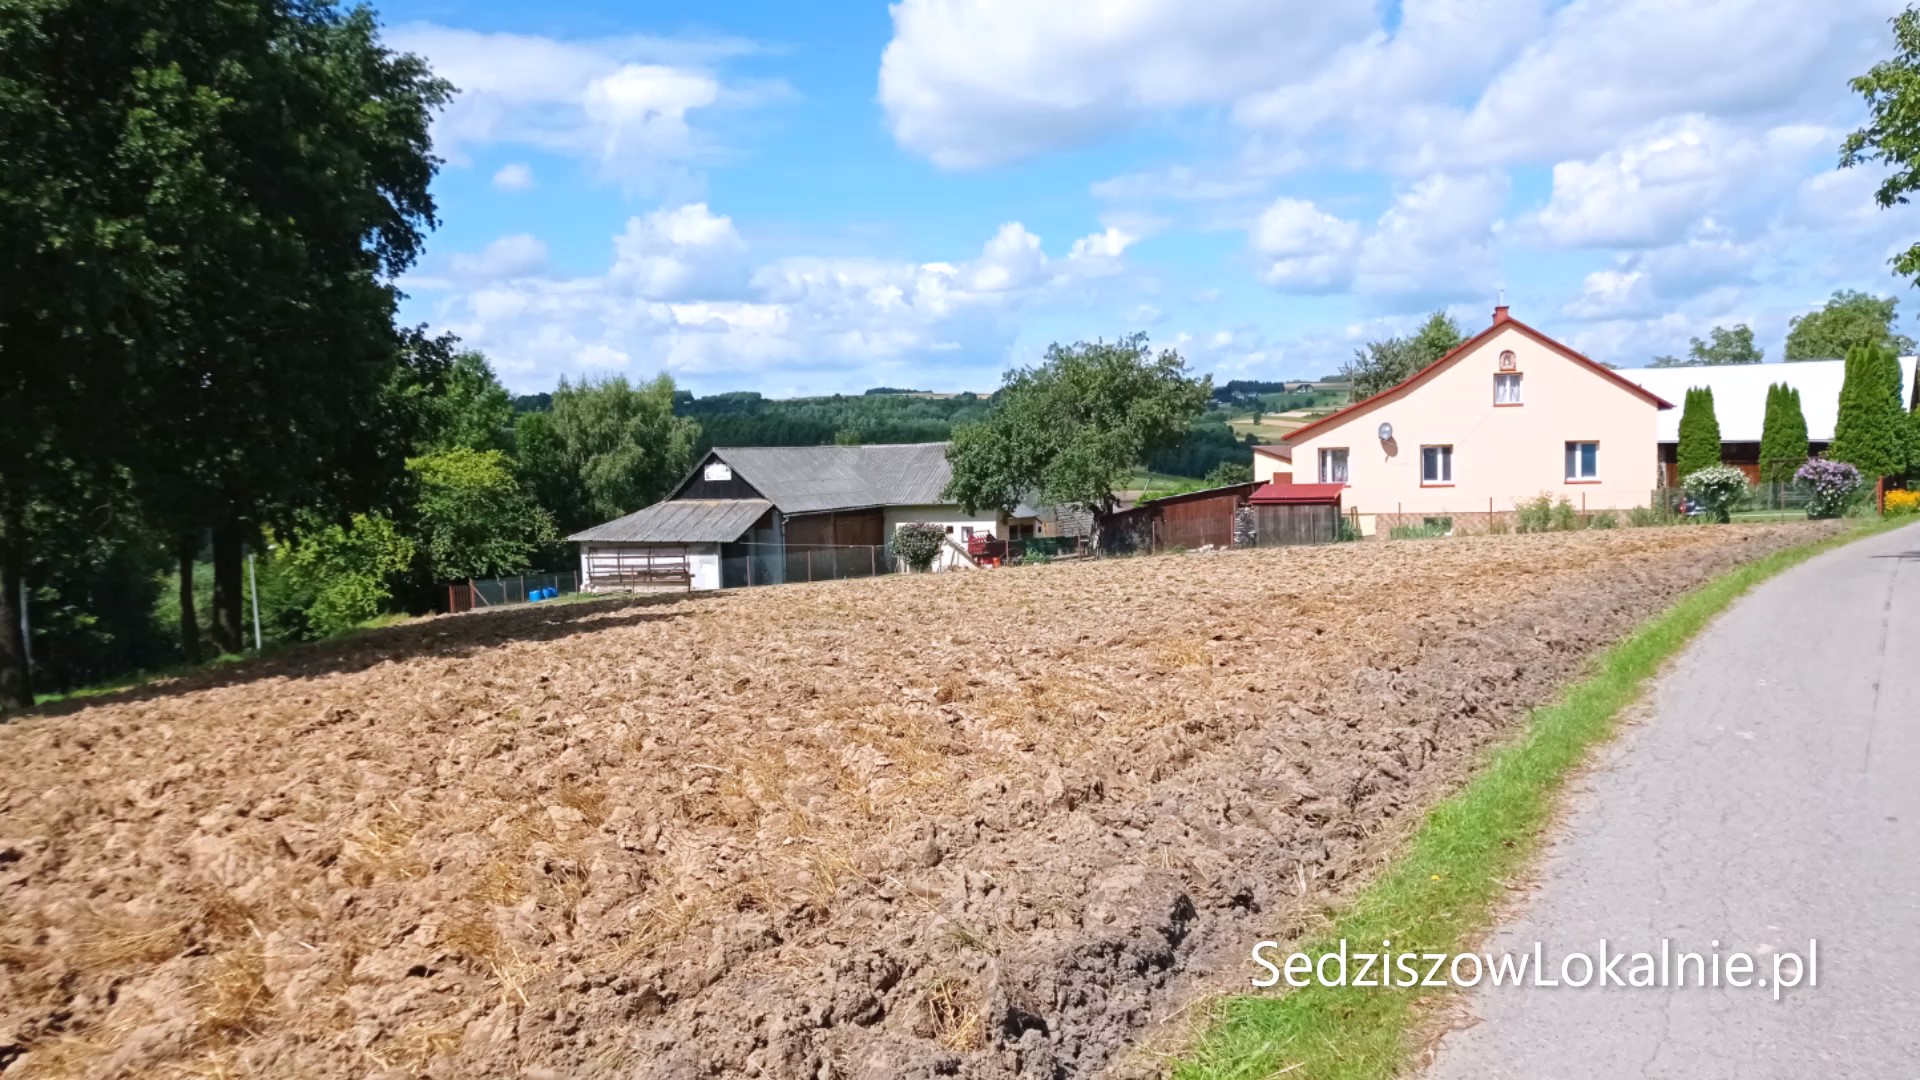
[{"x": 992, "y": 824}]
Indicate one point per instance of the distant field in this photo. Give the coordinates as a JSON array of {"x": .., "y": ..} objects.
[{"x": 1146, "y": 480}]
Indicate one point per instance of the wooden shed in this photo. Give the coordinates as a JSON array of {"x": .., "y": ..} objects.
[
  {"x": 1285, "y": 514},
  {"x": 1195, "y": 519}
]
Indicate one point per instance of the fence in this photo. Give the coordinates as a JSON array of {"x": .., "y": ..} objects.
[
  {"x": 481, "y": 593},
  {"x": 750, "y": 565}
]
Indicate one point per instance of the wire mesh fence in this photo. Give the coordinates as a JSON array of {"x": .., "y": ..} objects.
[{"x": 476, "y": 594}]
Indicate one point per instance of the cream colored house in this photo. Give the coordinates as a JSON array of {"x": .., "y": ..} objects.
[{"x": 1507, "y": 416}]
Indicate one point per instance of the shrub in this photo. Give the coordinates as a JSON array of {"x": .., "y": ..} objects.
[
  {"x": 1499, "y": 527},
  {"x": 1348, "y": 532},
  {"x": 1605, "y": 519},
  {"x": 1717, "y": 488},
  {"x": 1533, "y": 515},
  {"x": 919, "y": 543},
  {"x": 1641, "y": 517},
  {"x": 1431, "y": 529},
  {"x": 1902, "y": 503},
  {"x": 1564, "y": 517},
  {"x": 1831, "y": 486}
]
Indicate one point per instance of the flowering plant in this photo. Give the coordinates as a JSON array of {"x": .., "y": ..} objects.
[
  {"x": 1901, "y": 503},
  {"x": 1716, "y": 488},
  {"x": 1830, "y": 486}
]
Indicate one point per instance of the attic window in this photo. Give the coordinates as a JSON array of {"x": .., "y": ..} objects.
[{"x": 719, "y": 470}]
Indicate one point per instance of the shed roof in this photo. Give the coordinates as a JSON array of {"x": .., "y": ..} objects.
[
  {"x": 811, "y": 479},
  {"x": 1294, "y": 494},
  {"x": 1740, "y": 394},
  {"x": 681, "y": 521}
]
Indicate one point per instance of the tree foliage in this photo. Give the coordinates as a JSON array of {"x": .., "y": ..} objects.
[
  {"x": 327, "y": 578},
  {"x": 1849, "y": 319},
  {"x": 1074, "y": 427},
  {"x": 621, "y": 443},
  {"x": 474, "y": 519},
  {"x": 1873, "y": 432},
  {"x": 1699, "y": 432},
  {"x": 1890, "y": 138},
  {"x": 1383, "y": 365},
  {"x": 473, "y": 410},
  {"x": 1783, "y": 434}
]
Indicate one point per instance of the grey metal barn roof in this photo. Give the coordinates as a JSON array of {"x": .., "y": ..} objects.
[
  {"x": 683, "y": 521},
  {"x": 811, "y": 479}
]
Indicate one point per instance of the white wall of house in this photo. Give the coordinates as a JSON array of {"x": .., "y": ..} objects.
[
  {"x": 703, "y": 561},
  {"x": 1268, "y": 468},
  {"x": 949, "y": 516}
]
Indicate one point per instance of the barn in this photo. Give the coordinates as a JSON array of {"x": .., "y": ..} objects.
[{"x": 764, "y": 515}]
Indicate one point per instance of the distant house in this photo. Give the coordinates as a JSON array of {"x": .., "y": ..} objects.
[
  {"x": 756, "y": 515},
  {"x": 1507, "y": 415},
  {"x": 1740, "y": 404}
]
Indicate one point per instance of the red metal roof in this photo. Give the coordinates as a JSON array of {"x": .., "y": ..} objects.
[
  {"x": 1293, "y": 494},
  {"x": 1500, "y": 319}
]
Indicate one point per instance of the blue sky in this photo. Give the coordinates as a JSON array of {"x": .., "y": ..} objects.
[{"x": 810, "y": 198}]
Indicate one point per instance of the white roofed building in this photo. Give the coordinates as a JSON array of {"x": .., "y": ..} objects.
[{"x": 1740, "y": 403}]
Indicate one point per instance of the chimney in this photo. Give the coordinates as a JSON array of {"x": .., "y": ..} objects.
[{"x": 1500, "y": 314}]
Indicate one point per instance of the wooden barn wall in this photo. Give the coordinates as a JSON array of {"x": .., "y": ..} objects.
[{"x": 852, "y": 528}]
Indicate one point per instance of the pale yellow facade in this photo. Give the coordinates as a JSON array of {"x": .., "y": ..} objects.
[
  {"x": 1488, "y": 455},
  {"x": 1269, "y": 466}
]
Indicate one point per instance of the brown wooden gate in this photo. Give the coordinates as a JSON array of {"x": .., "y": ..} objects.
[{"x": 1287, "y": 524}]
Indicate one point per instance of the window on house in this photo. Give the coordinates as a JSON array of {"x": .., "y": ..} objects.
[
  {"x": 1333, "y": 466},
  {"x": 1583, "y": 461},
  {"x": 1506, "y": 389},
  {"x": 1436, "y": 464}
]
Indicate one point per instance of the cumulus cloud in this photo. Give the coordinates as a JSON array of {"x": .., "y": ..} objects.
[
  {"x": 509, "y": 256},
  {"x": 1305, "y": 248},
  {"x": 1432, "y": 244},
  {"x": 970, "y": 83},
  {"x": 627, "y": 106},
  {"x": 682, "y": 293},
  {"x": 517, "y": 176}
]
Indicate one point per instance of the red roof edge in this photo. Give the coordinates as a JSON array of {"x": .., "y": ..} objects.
[
  {"x": 1286, "y": 494},
  {"x": 1501, "y": 320},
  {"x": 1279, "y": 450}
]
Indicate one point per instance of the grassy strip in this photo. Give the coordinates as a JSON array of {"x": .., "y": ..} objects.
[{"x": 1439, "y": 895}]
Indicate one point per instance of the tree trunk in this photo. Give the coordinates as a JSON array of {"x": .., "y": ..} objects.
[
  {"x": 228, "y": 570},
  {"x": 188, "y": 547},
  {"x": 16, "y": 679}
]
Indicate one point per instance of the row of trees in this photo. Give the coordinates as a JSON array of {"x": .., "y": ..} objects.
[
  {"x": 1848, "y": 319},
  {"x": 1874, "y": 432}
]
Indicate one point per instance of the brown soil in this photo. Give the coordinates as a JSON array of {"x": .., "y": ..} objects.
[{"x": 982, "y": 825}]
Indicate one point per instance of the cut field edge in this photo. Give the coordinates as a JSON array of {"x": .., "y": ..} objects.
[{"x": 1442, "y": 892}]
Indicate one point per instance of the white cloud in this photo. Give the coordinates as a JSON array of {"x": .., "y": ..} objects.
[
  {"x": 681, "y": 294},
  {"x": 678, "y": 253},
  {"x": 509, "y": 256},
  {"x": 517, "y": 176},
  {"x": 1651, "y": 189},
  {"x": 1305, "y": 248},
  {"x": 1432, "y": 244},
  {"x": 970, "y": 83},
  {"x": 625, "y": 105}
]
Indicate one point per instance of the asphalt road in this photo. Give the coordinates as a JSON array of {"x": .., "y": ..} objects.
[{"x": 1769, "y": 794}]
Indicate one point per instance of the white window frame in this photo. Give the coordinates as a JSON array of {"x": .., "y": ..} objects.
[
  {"x": 1575, "y": 462},
  {"x": 1443, "y": 457},
  {"x": 1509, "y": 378},
  {"x": 1326, "y": 461}
]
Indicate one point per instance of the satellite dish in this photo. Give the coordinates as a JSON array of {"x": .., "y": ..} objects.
[{"x": 1386, "y": 432}]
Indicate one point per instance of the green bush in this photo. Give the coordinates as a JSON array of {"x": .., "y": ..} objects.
[
  {"x": 1533, "y": 515},
  {"x": 1605, "y": 519},
  {"x": 1564, "y": 517},
  {"x": 919, "y": 544},
  {"x": 1641, "y": 517},
  {"x": 1429, "y": 530},
  {"x": 1717, "y": 489},
  {"x": 325, "y": 580},
  {"x": 1347, "y": 532}
]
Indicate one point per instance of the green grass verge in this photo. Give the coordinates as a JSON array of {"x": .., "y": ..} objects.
[{"x": 1439, "y": 894}]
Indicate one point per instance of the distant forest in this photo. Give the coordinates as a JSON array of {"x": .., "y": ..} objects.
[{"x": 887, "y": 415}]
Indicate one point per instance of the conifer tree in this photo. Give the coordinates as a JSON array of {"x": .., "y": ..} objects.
[
  {"x": 1699, "y": 433},
  {"x": 1872, "y": 432}
]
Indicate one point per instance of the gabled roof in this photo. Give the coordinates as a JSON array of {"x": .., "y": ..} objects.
[
  {"x": 1740, "y": 394},
  {"x": 812, "y": 479},
  {"x": 681, "y": 521},
  {"x": 1501, "y": 321},
  {"x": 1275, "y": 450}
]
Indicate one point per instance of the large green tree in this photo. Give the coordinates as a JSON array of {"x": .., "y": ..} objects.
[
  {"x": 1728, "y": 345},
  {"x": 621, "y": 443},
  {"x": 1783, "y": 434},
  {"x": 1074, "y": 427},
  {"x": 1383, "y": 365},
  {"x": 473, "y": 517},
  {"x": 1890, "y": 139},
  {"x": 1699, "y": 432},
  {"x": 472, "y": 410},
  {"x": 1873, "y": 431},
  {"x": 1849, "y": 319}
]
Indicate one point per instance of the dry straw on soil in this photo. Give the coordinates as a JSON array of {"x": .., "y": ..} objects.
[{"x": 989, "y": 824}]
